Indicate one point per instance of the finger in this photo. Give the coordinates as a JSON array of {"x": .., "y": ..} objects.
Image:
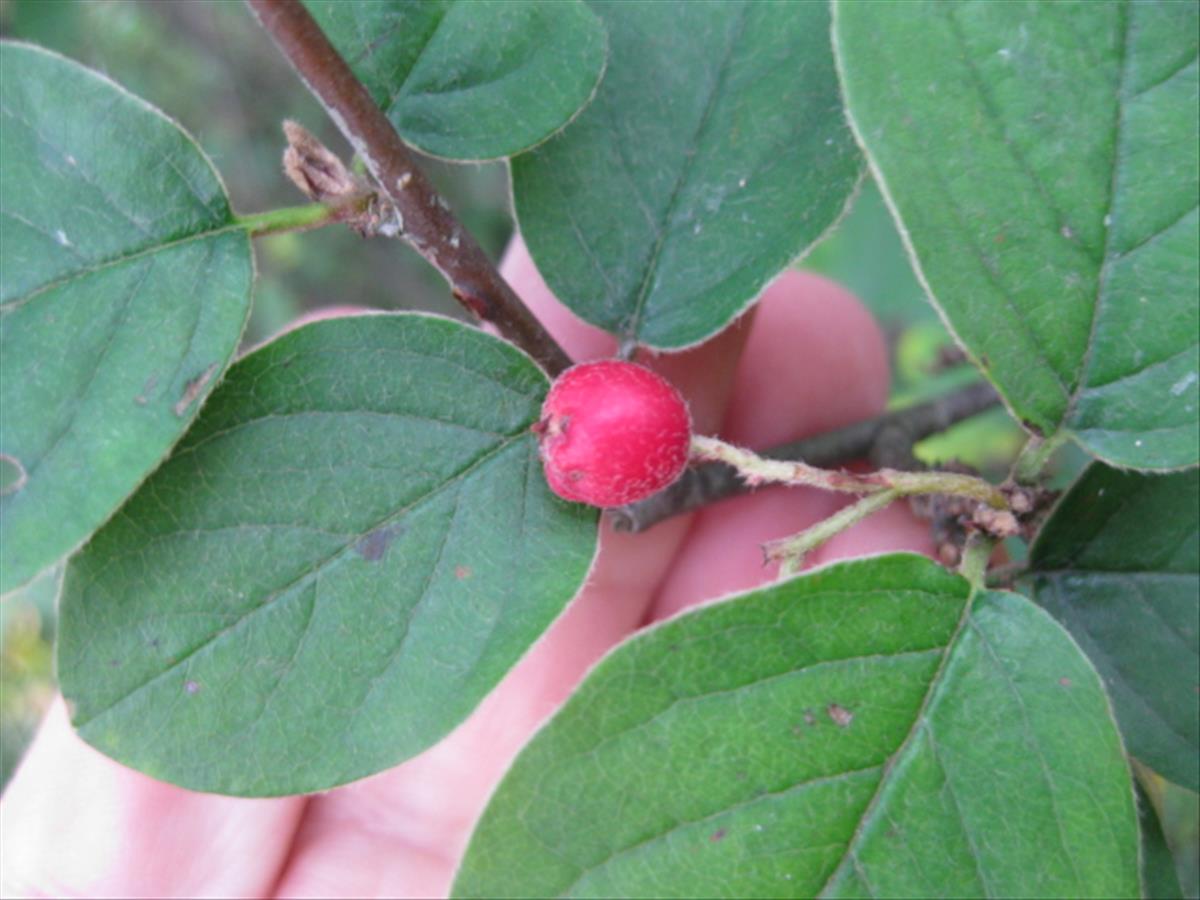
[
  {"x": 77, "y": 824},
  {"x": 414, "y": 821},
  {"x": 581, "y": 340},
  {"x": 815, "y": 360}
]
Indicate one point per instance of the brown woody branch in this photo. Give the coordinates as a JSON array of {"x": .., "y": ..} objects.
[
  {"x": 886, "y": 440},
  {"x": 422, "y": 217}
]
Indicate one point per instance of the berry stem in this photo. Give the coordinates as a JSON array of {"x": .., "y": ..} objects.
[
  {"x": 889, "y": 436},
  {"x": 755, "y": 470}
]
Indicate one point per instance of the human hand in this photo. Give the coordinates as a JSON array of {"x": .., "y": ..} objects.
[{"x": 808, "y": 359}]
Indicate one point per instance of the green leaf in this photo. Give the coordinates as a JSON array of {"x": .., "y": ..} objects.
[
  {"x": 341, "y": 559},
  {"x": 1118, "y": 563},
  {"x": 470, "y": 80},
  {"x": 124, "y": 286},
  {"x": 1043, "y": 160},
  {"x": 714, "y": 153},
  {"x": 857, "y": 731}
]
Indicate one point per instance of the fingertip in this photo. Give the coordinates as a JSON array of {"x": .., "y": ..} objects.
[
  {"x": 581, "y": 340},
  {"x": 724, "y": 549},
  {"x": 815, "y": 360},
  {"x": 704, "y": 374},
  {"x": 76, "y": 823}
]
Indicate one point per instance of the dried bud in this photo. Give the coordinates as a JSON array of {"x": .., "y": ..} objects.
[
  {"x": 997, "y": 522},
  {"x": 314, "y": 168}
]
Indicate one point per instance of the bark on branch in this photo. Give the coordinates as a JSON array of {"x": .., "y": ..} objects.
[{"x": 422, "y": 217}]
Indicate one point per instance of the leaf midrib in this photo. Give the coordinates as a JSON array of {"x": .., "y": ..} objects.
[
  {"x": 818, "y": 780},
  {"x": 396, "y": 96},
  {"x": 919, "y": 722},
  {"x": 1106, "y": 256},
  {"x": 643, "y": 296},
  {"x": 16, "y": 303},
  {"x": 783, "y": 674}
]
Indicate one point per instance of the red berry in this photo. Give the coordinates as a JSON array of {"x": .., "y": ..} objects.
[{"x": 612, "y": 433}]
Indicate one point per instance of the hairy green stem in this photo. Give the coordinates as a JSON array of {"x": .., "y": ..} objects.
[
  {"x": 757, "y": 470},
  {"x": 790, "y": 552},
  {"x": 1034, "y": 456},
  {"x": 887, "y": 436}
]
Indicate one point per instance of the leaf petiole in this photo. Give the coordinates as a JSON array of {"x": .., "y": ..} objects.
[
  {"x": 1034, "y": 457},
  {"x": 291, "y": 218}
]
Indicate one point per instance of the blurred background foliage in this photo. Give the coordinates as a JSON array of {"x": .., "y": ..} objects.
[{"x": 208, "y": 65}]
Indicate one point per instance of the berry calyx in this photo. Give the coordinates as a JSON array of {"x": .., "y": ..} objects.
[{"x": 612, "y": 433}]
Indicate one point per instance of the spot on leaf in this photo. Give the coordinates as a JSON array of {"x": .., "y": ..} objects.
[
  {"x": 839, "y": 714},
  {"x": 193, "y": 388},
  {"x": 373, "y": 547}
]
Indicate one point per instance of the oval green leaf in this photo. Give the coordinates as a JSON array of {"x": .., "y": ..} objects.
[
  {"x": 345, "y": 554},
  {"x": 1118, "y": 563},
  {"x": 124, "y": 286},
  {"x": 864, "y": 730},
  {"x": 473, "y": 80},
  {"x": 714, "y": 153},
  {"x": 1043, "y": 160}
]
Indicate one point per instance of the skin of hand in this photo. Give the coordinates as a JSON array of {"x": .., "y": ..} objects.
[{"x": 807, "y": 359}]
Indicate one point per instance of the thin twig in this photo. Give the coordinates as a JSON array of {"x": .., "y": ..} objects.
[
  {"x": 878, "y": 437},
  {"x": 423, "y": 217},
  {"x": 756, "y": 470},
  {"x": 790, "y": 552},
  {"x": 987, "y": 503}
]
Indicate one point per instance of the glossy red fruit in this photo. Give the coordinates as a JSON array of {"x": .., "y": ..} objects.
[{"x": 612, "y": 433}]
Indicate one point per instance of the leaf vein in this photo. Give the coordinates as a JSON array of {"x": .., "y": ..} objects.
[
  {"x": 681, "y": 179},
  {"x": 1118, "y": 128},
  {"x": 794, "y": 787},
  {"x": 1033, "y": 745},
  {"x": 919, "y": 722},
  {"x": 313, "y": 569}
]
